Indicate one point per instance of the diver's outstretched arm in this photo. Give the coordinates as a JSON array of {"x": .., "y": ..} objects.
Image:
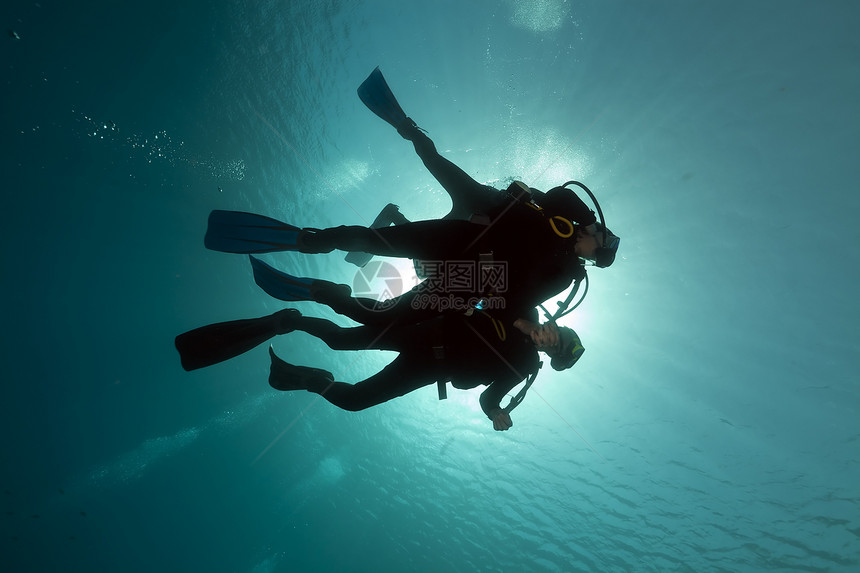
[{"x": 467, "y": 195}]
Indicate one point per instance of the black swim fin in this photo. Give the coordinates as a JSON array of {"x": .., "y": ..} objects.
[
  {"x": 285, "y": 376},
  {"x": 216, "y": 343},
  {"x": 377, "y": 96},
  {"x": 389, "y": 214}
]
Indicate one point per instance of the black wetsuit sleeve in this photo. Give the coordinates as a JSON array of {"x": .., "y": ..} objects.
[{"x": 491, "y": 398}]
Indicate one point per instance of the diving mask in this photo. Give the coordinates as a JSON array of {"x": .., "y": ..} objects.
[{"x": 604, "y": 255}]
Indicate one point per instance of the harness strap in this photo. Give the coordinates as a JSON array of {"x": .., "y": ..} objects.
[
  {"x": 515, "y": 401},
  {"x": 439, "y": 354},
  {"x": 443, "y": 389}
]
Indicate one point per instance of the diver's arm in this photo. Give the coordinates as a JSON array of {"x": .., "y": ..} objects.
[
  {"x": 491, "y": 400},
  {"x": 526, "y": 326}
]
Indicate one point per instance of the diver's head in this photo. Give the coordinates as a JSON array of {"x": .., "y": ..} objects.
[
  {"x": 586, "y": 245},
  {"x": 604, "y": 253},
  {"x": 568, "y": 351},
  {"x": 600, "y": 248},
  {"x": 560, "y": 343}
]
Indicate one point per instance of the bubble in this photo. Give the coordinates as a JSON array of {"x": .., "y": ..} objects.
[
  {"x": 161, "y": 148},
  {"x": 540, "y": 15}
]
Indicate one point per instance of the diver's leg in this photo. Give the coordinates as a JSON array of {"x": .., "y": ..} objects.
[
  {"x": 404, "y": 309},
  {"x": 467, "y": 195},
  {"x": 402, "y": 376},
  {"x": 369, "y": 311},
  {"x": 389, "y": 214},
  {"x": 435, "y": 240},
  {"x": 394, "y": 335},
  {"x": 347, "y": 338}
]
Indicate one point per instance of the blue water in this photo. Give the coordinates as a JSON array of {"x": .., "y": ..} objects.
[{"x": 712, "y": 424}]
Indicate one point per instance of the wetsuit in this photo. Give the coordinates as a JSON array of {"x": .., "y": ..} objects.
[
  {"x": 536, "y": 263},
  {"x": 467, "y": 350},
  {"x": 511, "y": 220}
]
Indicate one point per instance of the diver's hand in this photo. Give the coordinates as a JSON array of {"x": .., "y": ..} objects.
[
  {"x": 501, "y": 420},
  {"x": 545, "y": 335}
]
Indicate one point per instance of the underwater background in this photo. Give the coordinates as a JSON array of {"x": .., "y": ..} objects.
[{"x": 712, "y": 424}]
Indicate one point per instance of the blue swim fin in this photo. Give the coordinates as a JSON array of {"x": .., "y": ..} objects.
[
  {"x": 238, "y": 232},
  {"x": 279, "y": 284},
  {"x": 377, "y": 96}
]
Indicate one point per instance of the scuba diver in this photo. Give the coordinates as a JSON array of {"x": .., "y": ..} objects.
[
  {"x": 472, "y": 201},
  {"x": 526, "y": 261},
  {"x": 497, "y": 350},
  {"x": 542, "y": 239}
]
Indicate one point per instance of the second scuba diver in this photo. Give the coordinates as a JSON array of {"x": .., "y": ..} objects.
[{"x": 497, "y": 350}]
